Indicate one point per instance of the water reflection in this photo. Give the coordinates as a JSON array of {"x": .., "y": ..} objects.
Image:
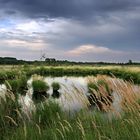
[{"x": 73, "y": 93}]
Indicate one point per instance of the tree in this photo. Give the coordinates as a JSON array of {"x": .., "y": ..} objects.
[{"x": 130, "y": 62}]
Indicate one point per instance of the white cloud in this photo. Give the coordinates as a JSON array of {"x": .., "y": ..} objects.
[
  {"x": 35, "y": 45},
  {"x": 85, "y": 49},
  {"x": 42, "y": 26},
  {"x": 30, "y": 26}
]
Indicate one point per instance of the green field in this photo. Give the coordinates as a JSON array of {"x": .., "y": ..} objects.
[
  {"x": 50, "y": 122},
  {"x": 129, "y": 73}
]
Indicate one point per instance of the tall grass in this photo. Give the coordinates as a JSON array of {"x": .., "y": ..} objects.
[
  {"x": 17, "y": 86},
  {"x": 100, "y": 94},
  {"x": 10, "y": 114},
  {"x": 50, "y": 122}
]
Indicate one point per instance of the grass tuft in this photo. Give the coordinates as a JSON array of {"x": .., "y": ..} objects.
[{"x": 40, "y": 89}]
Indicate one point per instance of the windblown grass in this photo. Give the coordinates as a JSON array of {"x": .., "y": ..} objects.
[
  {"x": 49, "y": 121},
  {"x": 10, "y": 114},
  {"x": 17, "y": 86},
  {"x": 100, "y": 94}
]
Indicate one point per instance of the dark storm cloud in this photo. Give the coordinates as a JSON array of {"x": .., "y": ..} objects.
[
  {"x": 67, "y": 8},
  {"x": 64, "y": 25},
  {"x": 10, "y": 12}
]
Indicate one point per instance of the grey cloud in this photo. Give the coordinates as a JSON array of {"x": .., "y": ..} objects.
[
  {"x": 10, "y": 12},
  {"x": 110, "y": 23},
  {"x": 68, "y": 8},
  {"x": 16, "y": 49}
]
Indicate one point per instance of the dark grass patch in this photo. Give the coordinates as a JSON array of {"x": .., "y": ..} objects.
[
  {"x": 40, "y": 89},
  {"x": 56, "y": 86}
]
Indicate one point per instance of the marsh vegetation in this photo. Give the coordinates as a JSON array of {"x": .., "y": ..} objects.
[{"x": 92, "y": 107}]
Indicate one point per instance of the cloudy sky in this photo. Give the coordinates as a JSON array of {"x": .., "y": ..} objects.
[{"x": 79, "y": 30}]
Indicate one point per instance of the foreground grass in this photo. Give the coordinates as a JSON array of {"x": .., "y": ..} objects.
[{"x": 50, "y": 122}]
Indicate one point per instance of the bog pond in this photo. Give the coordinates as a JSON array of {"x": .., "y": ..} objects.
[{"x": 76, "y": 93}]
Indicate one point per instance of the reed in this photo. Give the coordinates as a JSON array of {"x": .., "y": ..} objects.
[{"x": 49, "y": 121}]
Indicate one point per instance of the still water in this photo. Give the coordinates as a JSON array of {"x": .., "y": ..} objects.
[{"x": 73, "y": 93}]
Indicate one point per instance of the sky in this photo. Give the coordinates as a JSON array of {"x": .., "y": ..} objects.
[{"x": 75, "y": 30}]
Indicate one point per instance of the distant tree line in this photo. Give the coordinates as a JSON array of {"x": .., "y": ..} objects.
[
  {"x": 54, "y": 62},
  {"x": 12, "y": 61}
]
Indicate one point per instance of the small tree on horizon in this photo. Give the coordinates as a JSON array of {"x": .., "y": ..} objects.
[{"x": 130, "y": 62}]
